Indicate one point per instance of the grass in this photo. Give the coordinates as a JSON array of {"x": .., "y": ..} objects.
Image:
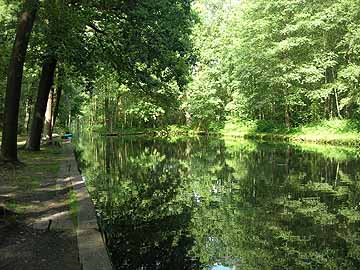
[
  {"x": 329, "y": 131},
  {"x": 335, "y": 131},
  {"x": 16, "y": 207},
  {"x": 38, "y": 165},
  {"x": 46, "y": 168},
  {"x": 238, "y": 128},
  {"x": 19, "y": 183},
  {"x": 74, "y": 207}
]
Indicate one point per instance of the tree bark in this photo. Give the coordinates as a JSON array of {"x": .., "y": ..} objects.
[
  {"x": 49, "y": 115},
  {"x": 46, "y": 82},
  {"x": 27, "y": 113},
  {"x": 287, "y": 116},
  {"x": 57, "y": 103},
  {"x": 107, "y": 115},
  {"x": 14, "y": 80},
  {"x": 337, "y": 104},
  {"x": 59, "y": 90}
]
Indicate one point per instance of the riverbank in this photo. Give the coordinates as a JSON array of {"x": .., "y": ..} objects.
[
  {"x": 334, "y": 132},
  {"x": 37, "y": 213}
]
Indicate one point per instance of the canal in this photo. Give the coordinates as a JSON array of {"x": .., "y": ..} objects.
[{"x": 224, "y": 204}]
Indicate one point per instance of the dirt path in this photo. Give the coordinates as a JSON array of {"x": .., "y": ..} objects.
[{"x": 32, "y": 196}]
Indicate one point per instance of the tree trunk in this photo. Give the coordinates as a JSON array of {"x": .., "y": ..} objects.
[
  {"x": 46, "y": 82},
  {"x": 14, "y": 80},
  {"x": 49, "y": 115},
  {"x": 107, "y": 115},
  {"x": 287, "y": 116},
  {"x": 27, "y": 113},
  {"x": 68, "y": 125},
  {"x": 95, "y": 111},
  {"x": 57, "y": 104},
  {"x": 59, "y": 88},
  {"x": 337, "y": 104}
]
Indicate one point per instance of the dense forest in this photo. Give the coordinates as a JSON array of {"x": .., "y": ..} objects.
[
  {"x": 291, "y": 62},
  {"x": 286, "y": 62},
  {"x": 114, "y": 65},
  {"x": 78, "y": 52}
]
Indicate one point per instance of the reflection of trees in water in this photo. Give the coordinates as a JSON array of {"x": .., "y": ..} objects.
[
  {"x": 255, "y": 206},
  {"x": 161, "y": 243},
  {"x": 298, "y": 205},
  {"x": 140, "y": 202}
]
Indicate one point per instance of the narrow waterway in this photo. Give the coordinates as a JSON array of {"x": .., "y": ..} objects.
[{"x": 210, "y": 203}]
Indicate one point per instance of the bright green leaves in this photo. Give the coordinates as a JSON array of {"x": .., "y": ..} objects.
[{"x": 273, "y": 60}]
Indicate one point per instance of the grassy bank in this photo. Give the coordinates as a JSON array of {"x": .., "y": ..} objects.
[
  {"x": 335, "y": 131},
  {"x": 171, "y": 130},
  {"x": 36, "y": 206},
  {"x": 339, "y": 132},
  {"x": 17, "y": 184},
  {"x": 30, "y": 189}
]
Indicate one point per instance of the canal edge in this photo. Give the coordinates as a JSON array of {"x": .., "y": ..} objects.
[{"x": 93, "y": 253}]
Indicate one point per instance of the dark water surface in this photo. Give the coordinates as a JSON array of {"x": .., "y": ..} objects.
[{"x": 214, "y": 204}]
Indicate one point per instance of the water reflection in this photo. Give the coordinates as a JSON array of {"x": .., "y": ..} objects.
[
  {"x": 221, "y": 267},
  {"x": 214, "y": 204}
]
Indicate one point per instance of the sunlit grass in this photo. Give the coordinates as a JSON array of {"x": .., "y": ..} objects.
[
  {"x": 21, "y": 140},
  {"x": 238, "y": 128},
  {"x": 329, "y": 131},
  {"x": 17, "y": 207},
  {"x": 73, "y": 203},
  {"x": 37, "y": 166},
  {"x": 21, "y": 181},
  {"x": 335, "y": 131}
]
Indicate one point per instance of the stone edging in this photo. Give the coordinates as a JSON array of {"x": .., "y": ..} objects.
[{"x": 93, "y": 254}]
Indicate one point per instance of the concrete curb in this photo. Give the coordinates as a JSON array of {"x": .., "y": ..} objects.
[{"x": 92, "y": 251}]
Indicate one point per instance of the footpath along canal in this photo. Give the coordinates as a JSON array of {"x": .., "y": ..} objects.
[{"x": 50, "y": 221}]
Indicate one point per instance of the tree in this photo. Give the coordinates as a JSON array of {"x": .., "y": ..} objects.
[
  {"x": 46, "y": 82},
  {"x": 284, "y": 62},
  {"x": 14, "y": 79}
]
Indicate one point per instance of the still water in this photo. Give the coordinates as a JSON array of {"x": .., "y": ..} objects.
[{"x": 217, "y": 204}]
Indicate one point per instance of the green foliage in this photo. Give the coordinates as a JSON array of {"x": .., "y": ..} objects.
[
  {"x": 285, "y": 62},
  {"x": 123, "y": 64},
  {"x": 145, "y": 64},
  {"x": 143, "y": 57}
]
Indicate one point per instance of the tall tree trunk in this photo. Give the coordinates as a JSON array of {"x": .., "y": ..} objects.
[
  {"x": 287, "y": 116},
  {"x": 46, "y": 82},
  {"x": 115, "y": 113},
  {"x": 107, "y": 115},
  {"x": 57, "y": 103},
  {"x": 14, "y": 80},
  {"x": 27, "y": 113},
  {"x": 49, "y": 115},
  {"x": 59, "y": 88},
  {"x": 68, "y": 125},
  {"x": 94, "y": 114},
  {"x": 337, "y": 104}
]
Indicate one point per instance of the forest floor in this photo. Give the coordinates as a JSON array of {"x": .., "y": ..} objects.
[{"x": 30, "y": 196}]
